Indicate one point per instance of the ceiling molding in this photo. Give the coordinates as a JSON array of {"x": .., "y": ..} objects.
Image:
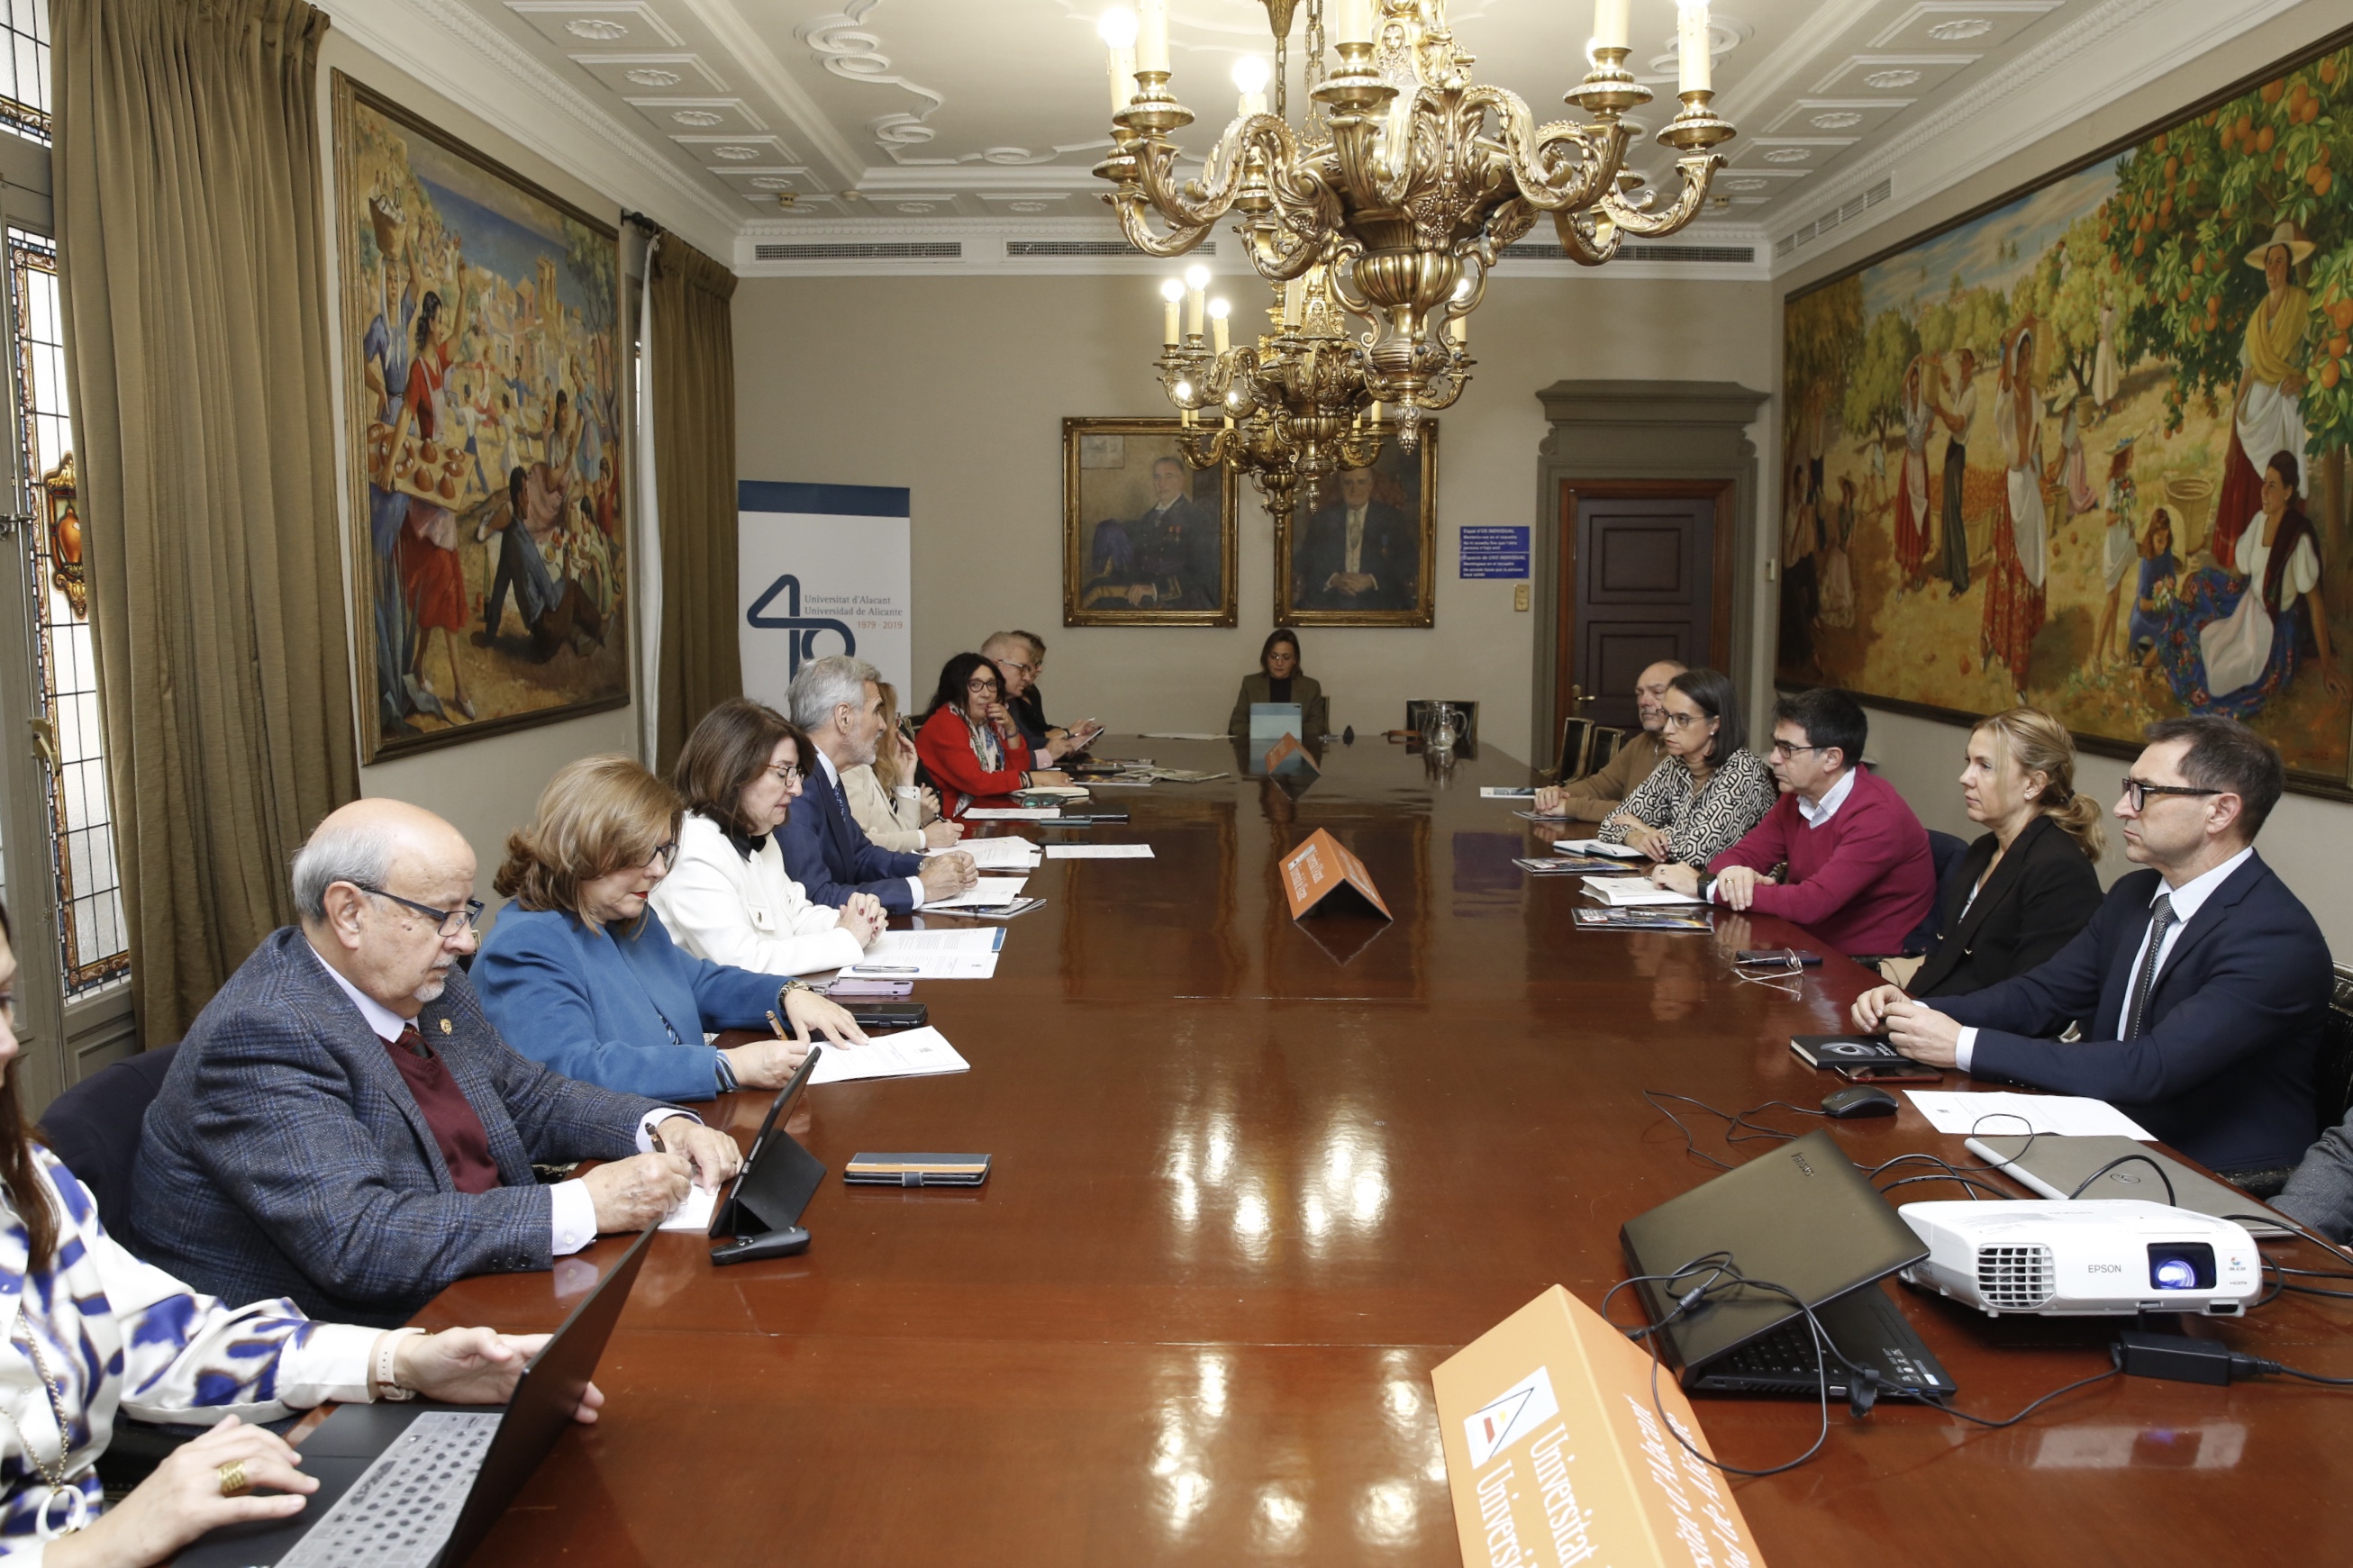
[
  {"x": 749, "y": 51},
  {"x": 2149, "y": 38},
  {"x": 548, "y": 115}
]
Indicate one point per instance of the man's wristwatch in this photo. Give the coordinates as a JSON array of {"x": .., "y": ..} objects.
[{"x": 387, "y": 1387}]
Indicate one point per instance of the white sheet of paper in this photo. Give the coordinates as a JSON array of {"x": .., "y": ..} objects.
[
  {"x": 1119, "y": 783},
  {"x": 1180, "y": 735},
  {"x": 994, "y": 854},
  {"x": 1507, "y": 792},
  {"x": 693, "y": 1211},
  {"x": 2015, "y": 1115},
  {"x": 1627, "y": 892},
  {"x": 966, "y": 953},
  {"x": 1013, "y": 813},
  {"x": 915, "y": 1053},
  {"x": 1099, "y": 852},
  {"x": 1596, "y": 846},
  {"x": 987, "y": 891}
]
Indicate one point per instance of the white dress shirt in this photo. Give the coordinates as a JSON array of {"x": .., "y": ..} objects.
[
  {"x": 833, "y": 776},
  {"x": 571, "y": 1213},
  {"x": 2188, "y": 899},
  {"x": 1353, "y": 560}
]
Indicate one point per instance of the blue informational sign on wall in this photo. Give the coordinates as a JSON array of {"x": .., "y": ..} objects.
[{"x": 1495, "y": 553}]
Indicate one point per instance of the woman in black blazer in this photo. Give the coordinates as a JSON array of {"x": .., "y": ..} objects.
[{"x": 2028, "y": 887}]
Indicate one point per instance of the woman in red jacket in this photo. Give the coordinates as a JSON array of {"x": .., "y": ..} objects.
[{"x": 969, "y": 743}]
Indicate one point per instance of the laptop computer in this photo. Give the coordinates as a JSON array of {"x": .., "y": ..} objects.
[
  {"x": 1802, "y": 1217},
  {"x": 2056, "y": 1166},
  {"x": 419, "y": 1485}
]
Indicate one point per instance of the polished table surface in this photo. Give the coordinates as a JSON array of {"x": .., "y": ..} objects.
[{"x": 1254, "y": 1179}]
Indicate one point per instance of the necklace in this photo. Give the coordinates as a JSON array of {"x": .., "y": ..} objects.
[{"x": 52, "y": 1471}]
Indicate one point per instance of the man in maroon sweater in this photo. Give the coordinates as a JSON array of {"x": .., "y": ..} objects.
[{"x": 1858, "y": 873}]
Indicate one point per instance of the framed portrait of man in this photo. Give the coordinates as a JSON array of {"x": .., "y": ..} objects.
[
  {"x": 1363, "y": 551},
  {"x": 1147, "y": 540}
]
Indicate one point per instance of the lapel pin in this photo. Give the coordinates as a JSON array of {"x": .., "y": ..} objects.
[{"x": 448, "y": 1028}]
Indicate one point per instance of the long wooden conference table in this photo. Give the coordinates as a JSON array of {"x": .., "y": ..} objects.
[{"x": 1254, "y": 1179}]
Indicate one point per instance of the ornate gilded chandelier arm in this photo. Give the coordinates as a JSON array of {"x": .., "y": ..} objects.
[
  {"x": 1590, "y": 240},
  {"x": 1698, "y": 173},
  {"x": 1135, "y": 224},
  {"x": 1204, "y": 201},
  {"x": 1556, "y": 165}
]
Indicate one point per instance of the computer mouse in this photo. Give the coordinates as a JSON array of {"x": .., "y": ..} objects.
[{"x": 1861, "y": 1099}]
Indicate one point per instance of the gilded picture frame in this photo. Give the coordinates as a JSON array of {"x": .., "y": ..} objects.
[
  {"x": 1395, "y": 583},
  {"x": 2027, "y": 452},
  {"x": 482, "y": 375},
  {"x": 1147, "y": 540}
]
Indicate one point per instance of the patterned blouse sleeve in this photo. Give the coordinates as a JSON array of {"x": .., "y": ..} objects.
[
  {"x": 189, "y": 1357},
  {"x": 1735, "y": 801},
  {"x": 1651, "y": 804}
]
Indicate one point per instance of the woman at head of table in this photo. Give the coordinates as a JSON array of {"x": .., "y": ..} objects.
[
  {"x": 899, "y": 814},
  {"x": 969, "y": 743},
  {"x": 2031, "y": 883},
  {"x": 581, "y": 974},
  {"x": 1708, "y": 790},
  {"x": 1279, "y": 679},
  {"x": 97, "y": 1333},
  {"x": 728, "y": 897}
]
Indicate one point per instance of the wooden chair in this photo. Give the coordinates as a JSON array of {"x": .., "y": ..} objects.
[
  {"x": 1602, "y": 747},
  {"x": 1575, "y": 740}
]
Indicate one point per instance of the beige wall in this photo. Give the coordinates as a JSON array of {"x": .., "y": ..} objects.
[
  {"x": 2309, "y": 840},
  {"x": 956, "y": 388},
  {"x": 486, "y": 787}
]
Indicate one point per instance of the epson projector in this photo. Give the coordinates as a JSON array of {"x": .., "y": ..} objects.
[{"x": 2084, "y": 1258}]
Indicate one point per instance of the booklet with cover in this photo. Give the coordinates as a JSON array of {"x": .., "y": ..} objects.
[{"x": 1641, "y": 919}]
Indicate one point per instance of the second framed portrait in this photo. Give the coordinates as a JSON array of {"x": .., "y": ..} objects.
[
  {"x": 1147, "y": 541},
  {"x": 1365, "y": 553}
]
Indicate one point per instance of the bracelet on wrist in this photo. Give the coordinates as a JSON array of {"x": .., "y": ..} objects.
[{"x": 382, "y": 1382}]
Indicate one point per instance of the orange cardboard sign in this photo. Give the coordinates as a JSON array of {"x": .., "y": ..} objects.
[
  {"x": 1318, "y": 868},
  {"x": 1287, "y": 755},
  {"x": 1557, "y": 1454}
]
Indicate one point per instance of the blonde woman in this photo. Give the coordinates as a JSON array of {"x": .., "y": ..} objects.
[
  {"x": 580, "y": 973},
  {"x": 883, "y": 797},
  {"x": 2030, "y": 884}
]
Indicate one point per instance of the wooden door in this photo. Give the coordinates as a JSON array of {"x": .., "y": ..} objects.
[{"x": 1645, "y": 574}]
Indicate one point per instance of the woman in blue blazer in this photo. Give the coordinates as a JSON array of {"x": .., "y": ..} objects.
[{"x": 581, "y": 974}]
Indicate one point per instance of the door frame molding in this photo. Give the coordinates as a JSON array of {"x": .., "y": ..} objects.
[
  {"x": 1574, "y": 493},
  {"x": 1606, "y": 437}
]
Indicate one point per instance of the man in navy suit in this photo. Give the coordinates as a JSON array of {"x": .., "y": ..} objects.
[
  {"x": 344, "y": 1127},
  {"x": 838, "y": 701},
  {"x": 2200, "y": 986}
]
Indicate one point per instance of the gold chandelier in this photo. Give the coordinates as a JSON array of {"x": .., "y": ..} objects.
[{"x": 1389, "y": 204}]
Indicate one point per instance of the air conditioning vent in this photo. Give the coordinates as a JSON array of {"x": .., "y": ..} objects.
[
  {"x": 1016, "y": 247},
  {"x": 1715, "y": 255},
  {"x": 2015, "y": 1278},
  {"x": 1853, "y": 208},
  {"x": 866, "y": 250}
]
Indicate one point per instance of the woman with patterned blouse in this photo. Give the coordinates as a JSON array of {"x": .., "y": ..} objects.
[
  {"x": 1709, "y": 791},
  {"x": 93, "y": 1330}
]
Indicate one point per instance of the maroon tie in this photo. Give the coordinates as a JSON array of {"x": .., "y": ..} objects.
[{"x": 457, "y": 1128}]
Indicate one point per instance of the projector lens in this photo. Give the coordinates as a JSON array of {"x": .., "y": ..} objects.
[{"x": 2180, "y": 1265}]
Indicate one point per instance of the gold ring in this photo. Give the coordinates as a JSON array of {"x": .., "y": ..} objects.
[{"x": 232, "y": 1479}]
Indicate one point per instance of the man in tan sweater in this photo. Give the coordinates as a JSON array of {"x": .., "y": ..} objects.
[{"x": 1595, "y": 795}]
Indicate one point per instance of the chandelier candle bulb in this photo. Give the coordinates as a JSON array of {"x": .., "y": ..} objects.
[
  {"x": 1196, "y": 279},
  {"x": 1219, "y": 311},
  {"x": 1250, "y": 78},
  {"x": 1295, "y": 293},
  {"x": 1692, "y": 33},
  {"x": 1352, "y": 22},
  {"x": 1151, "y": 35},
  {"x": 1171, "y": 292},
  {"x": 1117, "y": 30},
  {"x": 1610, "y": 29}
]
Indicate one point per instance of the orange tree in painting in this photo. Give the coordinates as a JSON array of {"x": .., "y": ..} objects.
[{"x": 2193, "y": 201}]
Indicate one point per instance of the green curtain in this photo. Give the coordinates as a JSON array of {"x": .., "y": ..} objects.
[
  {"x": 693, "y": 377},
  {"x": 189, "y": 191}
]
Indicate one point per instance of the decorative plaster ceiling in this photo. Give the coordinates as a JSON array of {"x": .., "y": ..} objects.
[{"x": 915, "y": 114}]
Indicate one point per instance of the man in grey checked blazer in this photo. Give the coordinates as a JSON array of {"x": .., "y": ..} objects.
[{"x": 343, "y": 1126}]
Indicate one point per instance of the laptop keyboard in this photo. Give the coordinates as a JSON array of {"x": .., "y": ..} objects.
[
  {"x": 1786, "y": 1360},
  {"x": 403, "y": 1507},
  {"x": 1787, "y": 1352}
]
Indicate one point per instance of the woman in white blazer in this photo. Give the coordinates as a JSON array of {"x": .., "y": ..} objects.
[{"x": 727, "y": 898}]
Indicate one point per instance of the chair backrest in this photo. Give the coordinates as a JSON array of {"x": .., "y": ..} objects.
[
  {"x": 2333, "y": 1080},
  {"x": 1947, "y": 852},
  {"x": 1470, "y": 712},
  {"x": 94, "y": 1128},
  {"x": 1602, "y": 747},
  {"x": 1575, "y": 740}
]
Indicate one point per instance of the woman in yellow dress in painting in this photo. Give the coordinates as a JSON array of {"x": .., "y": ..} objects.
[{"x": 2267, "y": 415}]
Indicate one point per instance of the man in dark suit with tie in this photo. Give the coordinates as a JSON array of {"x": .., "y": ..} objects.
[
  {"x": 1358, "y": 555},
  {"x": 343, "y": 1126},
  {"x": 2200, "y": 986},
  {"x": 837, "y": 700}
]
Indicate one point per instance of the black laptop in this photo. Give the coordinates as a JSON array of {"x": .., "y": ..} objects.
[
  {"x": 419, "y": 1485},
  {"x": 1802, "y": 1217}
]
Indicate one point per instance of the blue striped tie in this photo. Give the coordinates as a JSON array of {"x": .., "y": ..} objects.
[{"x": 2160, "y": 920}]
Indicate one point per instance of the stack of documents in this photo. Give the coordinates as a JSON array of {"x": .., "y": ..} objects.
[
  {"x": 1099, "y": 852},
  {"x": 995, "y": 854},
  {"x": 1507, "y": 792},
  {"x": 1013, "y": 813},
  {"x": 911, "y": 1053},
  {"x": 966, "y": 953},
  {"x": 1628, "y": 892},
  {"x": 1596, "y": 846},
  {"x": 987, "y": 891}
]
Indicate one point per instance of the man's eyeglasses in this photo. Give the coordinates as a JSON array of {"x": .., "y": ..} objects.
[
  {"x": 2137, "y": 791},
  {"x": 1017, "y": 664},
  {"x": 787, "y": 776},
  {"x": 451, "y": 921},
  {"x": 1783, "y": 749}
]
